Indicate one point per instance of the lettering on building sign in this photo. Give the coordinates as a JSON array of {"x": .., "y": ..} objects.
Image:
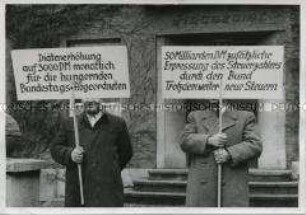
[{"x": 227, "y": 18}]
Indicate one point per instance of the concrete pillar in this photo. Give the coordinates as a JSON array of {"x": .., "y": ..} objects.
[
  {"x": 22, "y": 182},
  {"x": 160, "y": 115},
  {"x": 170, "y": 124},
  {"x": 271, "y": 122},
  {"x": 8, "y": 76},
  {"x": 174, "y": 122}
]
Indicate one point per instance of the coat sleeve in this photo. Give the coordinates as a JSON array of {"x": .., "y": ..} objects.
[
  {"x": 60, "y": 150},
  {"x": 125, "y": 150},
  {"x": 191, "y": 141},
  {"x": 251, "y": 145}
]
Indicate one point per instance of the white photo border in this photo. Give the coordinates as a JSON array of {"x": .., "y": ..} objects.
[{"x": 164, "y": 210}]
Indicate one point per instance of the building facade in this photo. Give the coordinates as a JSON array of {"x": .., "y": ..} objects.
[{"x": 144, "y": 29}]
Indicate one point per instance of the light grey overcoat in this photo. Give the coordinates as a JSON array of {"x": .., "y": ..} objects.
[{"x": 244, "y": 144}]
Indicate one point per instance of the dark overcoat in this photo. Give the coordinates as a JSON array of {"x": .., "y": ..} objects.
[
  {"x": 244, "y": 144},
  {"x": 107, "y": 151}
]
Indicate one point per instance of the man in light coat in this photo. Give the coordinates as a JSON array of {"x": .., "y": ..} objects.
[{"x": 237, "y": 144}]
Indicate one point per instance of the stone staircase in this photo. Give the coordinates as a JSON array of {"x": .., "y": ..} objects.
[{"x": 167, "y": 187}]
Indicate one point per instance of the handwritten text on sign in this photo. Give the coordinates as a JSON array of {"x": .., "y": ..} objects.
[
  {"x": 88, "y": 72},
  {"x": 237, "y": 72}
]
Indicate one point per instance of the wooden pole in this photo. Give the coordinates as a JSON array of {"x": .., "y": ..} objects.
[
  {"x": 219, "y": 194},
  {"x": 77, "y": 144}
]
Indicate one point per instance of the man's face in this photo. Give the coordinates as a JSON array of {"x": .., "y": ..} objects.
[{"x": 91, "y": 106}]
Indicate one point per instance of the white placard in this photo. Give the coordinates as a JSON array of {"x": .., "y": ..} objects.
[
  {"x": 235, "y": 72},
  {"x": 100, "y": 72}
]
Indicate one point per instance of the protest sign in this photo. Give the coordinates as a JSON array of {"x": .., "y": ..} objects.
[
  {"x": 56, "y": 73},
  {"x": 239, "y": 72}
]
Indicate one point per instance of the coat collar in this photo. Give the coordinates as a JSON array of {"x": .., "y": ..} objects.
[
  {"x": 83, "y": 120},
  {"x": 210, "y": 120}
]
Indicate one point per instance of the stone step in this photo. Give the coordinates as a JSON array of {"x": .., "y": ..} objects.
[
  {"x": 274, "y": 200},
  {"x": 270, "y": 175},
  {"x": 287, "y": 187},
  {"x": 56, "y": 202},
  {"x": 133, "y": 197},
  {"x": 160, "y": 199},
  {"x": 160, "y": 174},
  {"x": 160, "y": 185},
  {"x": 279, "y": 187},
  {"x": 255, "y": 174}
]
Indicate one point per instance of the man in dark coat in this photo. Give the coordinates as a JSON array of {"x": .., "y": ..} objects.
[
  {"x": 105, "y": 150},
  {"x": 238, "y": 143}
]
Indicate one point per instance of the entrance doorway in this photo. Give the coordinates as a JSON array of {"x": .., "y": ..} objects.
[{"x": 172, "y": 122}]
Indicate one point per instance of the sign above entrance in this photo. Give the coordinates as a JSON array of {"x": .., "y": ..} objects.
[
  {"x": 237, "y": 72},
  {"x": 56, "y": 73}
]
